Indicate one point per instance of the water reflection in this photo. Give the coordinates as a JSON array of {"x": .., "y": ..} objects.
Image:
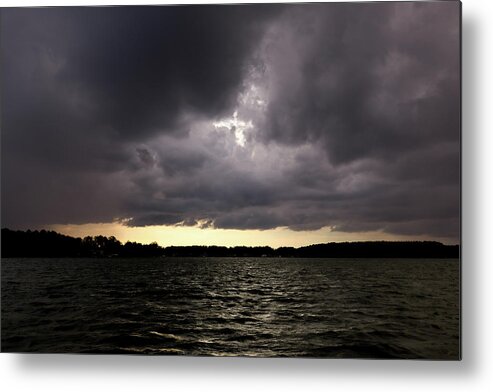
[{"x": 221, "y": 307}]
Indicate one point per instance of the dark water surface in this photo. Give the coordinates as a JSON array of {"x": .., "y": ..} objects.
[{"x": 389, "y": 308}]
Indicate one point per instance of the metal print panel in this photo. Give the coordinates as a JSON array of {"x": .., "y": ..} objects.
[{"x": 268, "y": 180}]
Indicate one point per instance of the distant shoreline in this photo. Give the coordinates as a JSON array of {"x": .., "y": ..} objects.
[{"x": 50, "y": 244}]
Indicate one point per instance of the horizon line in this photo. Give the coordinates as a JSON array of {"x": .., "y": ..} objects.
[{"x": 237, "y": 246}]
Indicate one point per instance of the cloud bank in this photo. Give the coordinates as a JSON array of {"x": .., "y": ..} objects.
[{"x": 248, "y": 117}]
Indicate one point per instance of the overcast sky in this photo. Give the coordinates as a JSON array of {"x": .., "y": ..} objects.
[{"x": 340, "y": 115}]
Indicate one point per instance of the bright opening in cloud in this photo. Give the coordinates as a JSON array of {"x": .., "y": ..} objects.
[{"x": 237, "y": 126}]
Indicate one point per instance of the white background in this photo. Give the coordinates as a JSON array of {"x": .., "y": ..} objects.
[{"x": 473, "y": 373}]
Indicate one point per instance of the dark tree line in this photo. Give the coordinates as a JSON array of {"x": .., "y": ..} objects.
[{"x": 51, "y": 244}]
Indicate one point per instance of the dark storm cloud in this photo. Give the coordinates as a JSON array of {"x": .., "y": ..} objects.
[
  {"x": 109, "y": 113},
  {"x": 149, "y": 66},
  {"x": 124, "y": 71},
  {"x": 79, "y": 84},
  {"x": 366, "y": 79},
  {"x": 146, "y": 157}
]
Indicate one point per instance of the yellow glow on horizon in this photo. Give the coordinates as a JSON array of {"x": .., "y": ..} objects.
[{"x": 187, "y": 235}]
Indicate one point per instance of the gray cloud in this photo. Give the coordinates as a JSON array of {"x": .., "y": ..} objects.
[
  {"x": 367, "y": 80},
  {"x": 345, "y": 115}
]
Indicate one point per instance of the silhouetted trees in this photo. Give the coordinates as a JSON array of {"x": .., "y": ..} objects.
[
  {"x": 51, "y": 244},
  {"x": 381, "y": 249}
]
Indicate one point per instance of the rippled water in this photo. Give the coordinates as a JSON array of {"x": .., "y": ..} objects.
[{"x": 393, "y": 308}]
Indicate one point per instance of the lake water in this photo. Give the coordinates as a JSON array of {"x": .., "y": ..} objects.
[{"x": 388, "y": 308}]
